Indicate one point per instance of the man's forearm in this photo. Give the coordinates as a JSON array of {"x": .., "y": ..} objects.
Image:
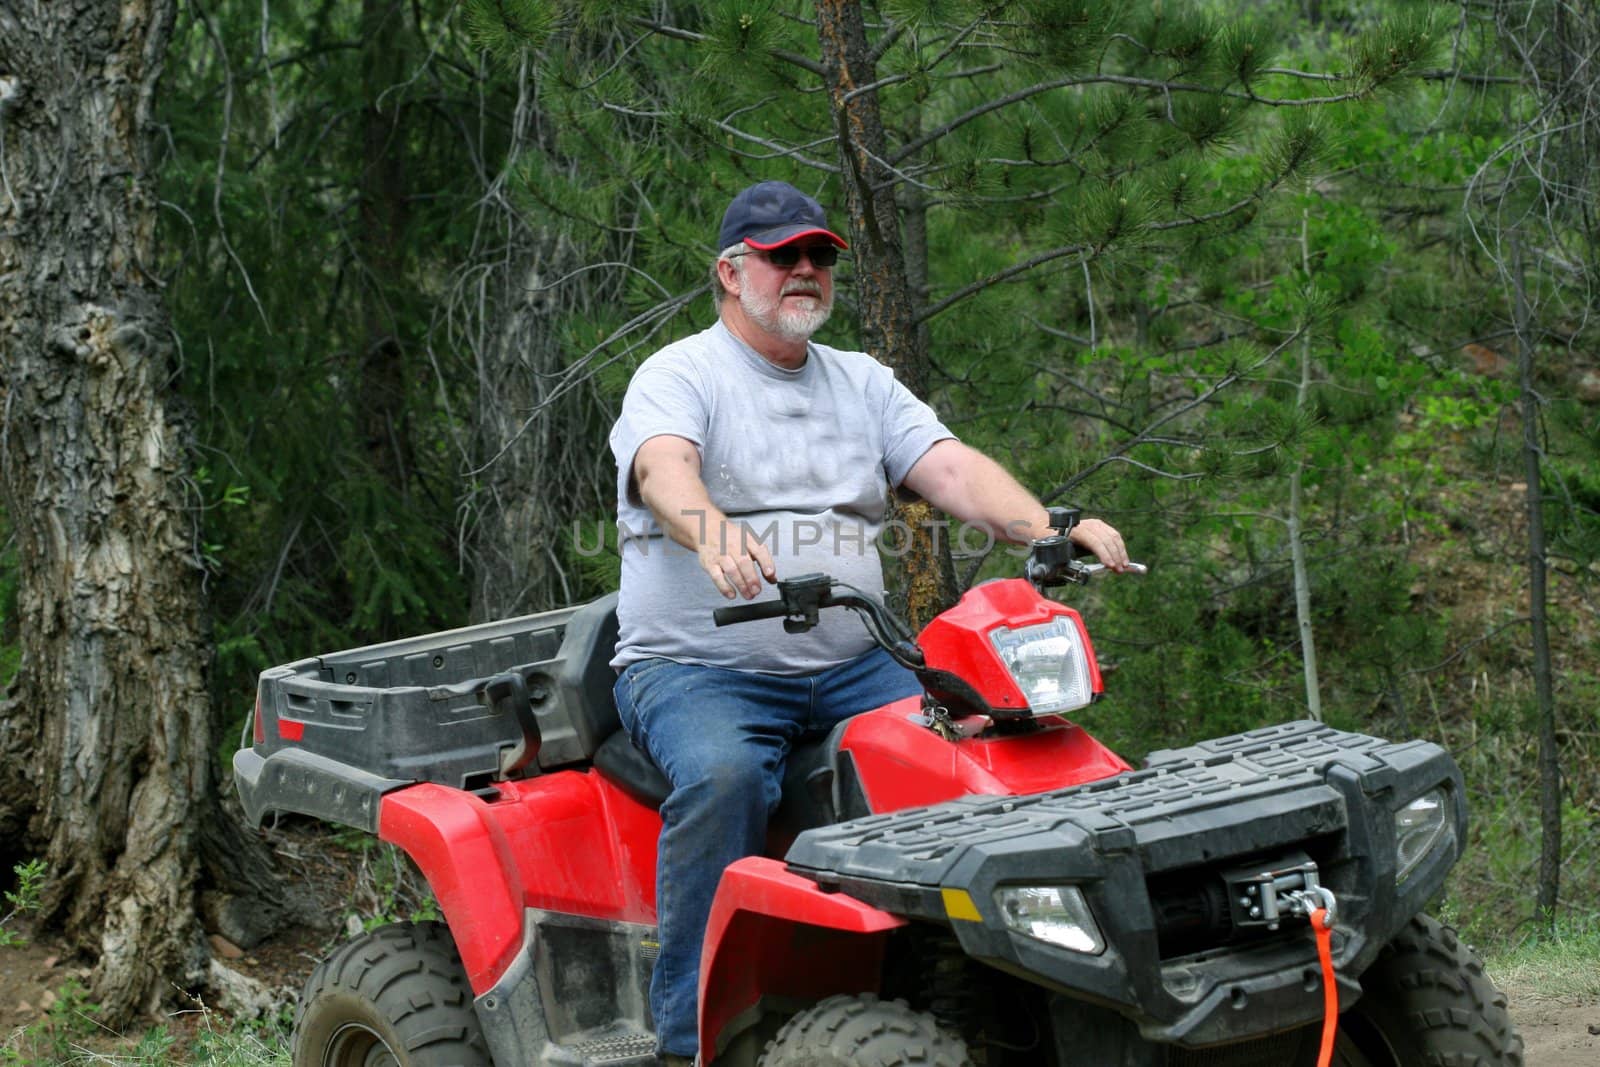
[
  {"x": 682, "y": 506},
  {"x": 975, "y": 489}
]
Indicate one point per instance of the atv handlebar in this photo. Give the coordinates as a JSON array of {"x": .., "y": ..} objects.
[
  {"x": 767, "y": 609},
  {"x": 800, "y": 599},
  {"x": 1130, "y": 568}
]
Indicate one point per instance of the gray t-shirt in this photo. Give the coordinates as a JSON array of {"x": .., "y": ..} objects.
[{"x": 804, "y": 458}]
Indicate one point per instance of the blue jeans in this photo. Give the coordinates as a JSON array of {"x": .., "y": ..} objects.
[{"x": 722, "y": 737}]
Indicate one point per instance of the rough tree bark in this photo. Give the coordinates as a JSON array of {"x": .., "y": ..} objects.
[
  {"x": 105, "y": 733},
  {"x": 537, "y": 434},
  {"x": 926, "y": 579}
]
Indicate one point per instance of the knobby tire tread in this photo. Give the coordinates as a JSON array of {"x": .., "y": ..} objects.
[
  {"x": 406, "y": 983},
  {"x": 863, "y": 1031},
  {"x": 1431, "y": 987}
]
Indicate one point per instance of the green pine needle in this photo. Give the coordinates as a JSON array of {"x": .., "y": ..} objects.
[
  {"x": 1400, "y": 47},
  {"x": 507, "y": 29}
]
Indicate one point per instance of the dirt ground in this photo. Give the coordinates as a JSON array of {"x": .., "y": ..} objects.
[{"x": 1557, "y": 1033}]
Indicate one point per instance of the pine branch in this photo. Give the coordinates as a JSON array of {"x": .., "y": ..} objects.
[
  {"x": 999, "y": 276},
  {"x": 1020, "y": 95},
  {"x": 779, "y": 150},
  {"x": 805, "y": 63}
]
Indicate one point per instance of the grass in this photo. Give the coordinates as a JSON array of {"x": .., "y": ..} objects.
[
  {"x": 71, "y": 1037},
  {"x": 1561, "y": 966}
]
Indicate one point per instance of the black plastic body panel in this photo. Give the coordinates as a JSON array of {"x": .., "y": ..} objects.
[
  {"x": 577, "y": 994},
  {"x": 1251, "y": 797},
  {"x": 338, "y": 731}
]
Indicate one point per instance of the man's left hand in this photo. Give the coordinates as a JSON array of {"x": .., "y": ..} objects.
[{"x": 1104, "y": 541}]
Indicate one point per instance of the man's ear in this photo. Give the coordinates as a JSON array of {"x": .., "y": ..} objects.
[{"x": 729, "y": 274}]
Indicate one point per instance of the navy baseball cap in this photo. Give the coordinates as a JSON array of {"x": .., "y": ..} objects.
[{"x": 771, "y": 214}]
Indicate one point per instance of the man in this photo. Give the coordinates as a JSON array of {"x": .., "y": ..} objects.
[{"x": 744, "y": 451}]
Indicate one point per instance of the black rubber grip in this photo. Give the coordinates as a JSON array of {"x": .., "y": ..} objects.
[{"x": 767, "y": 609}]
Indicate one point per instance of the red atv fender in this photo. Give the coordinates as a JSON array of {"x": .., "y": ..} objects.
[
  {"x": 774, "y": 934},
  {"x": 902, "y": 764},
  {"x": 487, "y": 862}
]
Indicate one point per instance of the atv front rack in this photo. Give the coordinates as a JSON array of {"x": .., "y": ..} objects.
[{"x": 1165, "y": 858}]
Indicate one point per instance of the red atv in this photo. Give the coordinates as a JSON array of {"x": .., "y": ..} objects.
[{"x": 969, "y": 878}]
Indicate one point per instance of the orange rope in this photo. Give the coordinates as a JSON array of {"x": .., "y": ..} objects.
[{"x": 1330, "y": 989}]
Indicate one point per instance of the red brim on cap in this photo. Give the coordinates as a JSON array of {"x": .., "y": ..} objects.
[{"x": 784, "y": 235}]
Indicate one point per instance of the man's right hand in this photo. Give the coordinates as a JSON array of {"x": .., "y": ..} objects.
[{"x": 735, "y": 559}]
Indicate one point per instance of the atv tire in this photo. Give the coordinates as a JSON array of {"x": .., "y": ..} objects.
[
  {"x": 1427, "y": 1002},
  {"x": 863, "y": 1031},
  {"x": 395, "y": 997}
]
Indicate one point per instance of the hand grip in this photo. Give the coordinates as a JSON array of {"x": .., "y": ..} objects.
[
  {"x": 767, "y": 609},
  {"x": 508, "y": 694}
]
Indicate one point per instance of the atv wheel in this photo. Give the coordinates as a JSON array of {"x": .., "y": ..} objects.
[
  {"x": 395, "y": 997},
  {"x": 863, "y": 1031},
  {"x": 1426, "y": 1002}
]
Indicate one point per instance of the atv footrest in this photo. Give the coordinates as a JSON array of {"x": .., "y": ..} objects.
[{"x": 611, "y": 1048}]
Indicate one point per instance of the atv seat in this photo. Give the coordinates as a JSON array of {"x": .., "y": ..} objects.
[
  {"x": 584, "y": 682},
  {"x": 808, "y": 793},
  {"x": 634, "y": 772},
  {"x": 591, "y": 637}
]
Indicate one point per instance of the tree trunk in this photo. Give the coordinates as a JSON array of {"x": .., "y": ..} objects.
[
  {"x": 382, "y": 377},
  {"x": 536, "y": 424},
  {"x": 1296, "y": 521},
  {"x": 925, "y": 578},
  {"x": 1544, "y": 691},
  {"x": 537, "y": 434},
  {"x": 106, "y": 729}
]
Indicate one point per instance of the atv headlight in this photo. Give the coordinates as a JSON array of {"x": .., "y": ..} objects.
[
  {"x": 1048, "y": 663},
  {"x": 1057, "y": 914},
  {"x": 1419, "y": 828}
]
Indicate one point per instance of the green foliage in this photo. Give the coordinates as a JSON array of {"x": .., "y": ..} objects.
[
  {"x": 1244, "y": 50},
  {"x": 312, "y": 483},
  {"x": 1573, "y": 510},
  {"x": 69, "y": 1035},
  {"x": 59, "y": 1037},
  {"x": 23, "y": 898},
  {"x": 508, "y": 29},
  {"x": 741, "y": 38},
  {"x": 1558, "y": 963},
  {"x": 1068, "y": 34},
  {"x": 1402, "y": 45},
  {"x": 387, "y": 888}
]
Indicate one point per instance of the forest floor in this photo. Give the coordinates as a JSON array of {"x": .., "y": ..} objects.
[{"x": 1557, "y": 1032}]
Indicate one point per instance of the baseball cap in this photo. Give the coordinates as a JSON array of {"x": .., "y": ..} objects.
[{"x": 771, "y": 214}]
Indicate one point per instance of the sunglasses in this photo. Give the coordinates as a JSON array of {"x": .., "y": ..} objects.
[{"x": 821, "y": 256}]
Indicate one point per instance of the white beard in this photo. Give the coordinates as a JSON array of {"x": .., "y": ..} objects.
[{"x": 791, "y": 324}]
